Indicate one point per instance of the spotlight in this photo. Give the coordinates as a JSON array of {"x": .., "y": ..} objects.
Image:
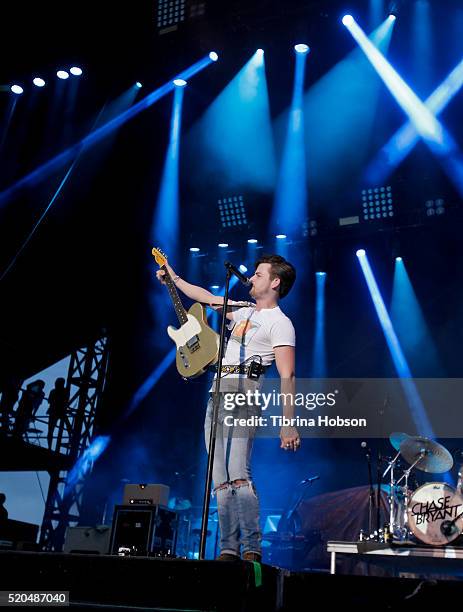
[
  {"x": 280, "y": 236},
  {"x": 243, "y": 268},
  {"x": 347, "y": 20},
  {"x": 360, "y": 253},
  {"x": 320, "y": 273},
  {"x": 194, "y": 249},
  {"x": 302, "y": 48},
  {"x": 215, "y": 287},
  {"x": 398, "y": 259},
  {"x": 62, "y": 74},
  {"x": 17, "y": 89},
  {"x": 138, "y": 85},
  {"x": 222, "y": 245},
  {"x": 252, "y": 241},
  {"x": 392, "y": 17},
  {"x": 260, "y": 52},
  {"x": 179, "y": 82},
  {"x": 38, "y": 82},
  {"x": 213, "y": 56},
  {"x": 76, "y": 71}
]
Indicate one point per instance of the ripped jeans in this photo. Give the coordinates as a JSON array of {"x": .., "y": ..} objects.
[{"x": 237, "y": 504}]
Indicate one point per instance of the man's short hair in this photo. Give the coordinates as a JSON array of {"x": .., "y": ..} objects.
[{"x": 282, "y": 269}]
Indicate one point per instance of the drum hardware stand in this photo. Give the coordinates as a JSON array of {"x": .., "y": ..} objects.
[
  {"x": 406, "y": 473},
  {"x": 390, "y": 468}
]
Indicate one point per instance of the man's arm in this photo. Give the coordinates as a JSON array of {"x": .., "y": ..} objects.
[
  {"x": 285, "y": 357},
  {"x": 198, "y": 294}
]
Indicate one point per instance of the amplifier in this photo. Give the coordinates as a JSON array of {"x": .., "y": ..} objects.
[
  {"x": 94, "y": 540},
  {"x": 154, "y": 494},
  {"x": 140, "y": 529}
]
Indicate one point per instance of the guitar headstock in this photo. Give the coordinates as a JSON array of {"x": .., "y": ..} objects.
[{"x": 159, "y": 256}]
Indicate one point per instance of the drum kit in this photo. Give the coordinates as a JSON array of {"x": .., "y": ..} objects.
[{"x": 432, "y": 513}]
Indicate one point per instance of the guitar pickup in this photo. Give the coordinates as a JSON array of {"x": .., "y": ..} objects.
[{"x": 193, "y": 344}]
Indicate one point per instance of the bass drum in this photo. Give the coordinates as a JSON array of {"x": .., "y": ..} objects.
[{"x": 435, "y": 513}]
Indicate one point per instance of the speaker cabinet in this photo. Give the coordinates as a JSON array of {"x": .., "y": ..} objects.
[{"x": 143, "y": 530}]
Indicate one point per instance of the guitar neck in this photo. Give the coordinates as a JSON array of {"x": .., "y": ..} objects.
[{"x": 172, "y": 289}]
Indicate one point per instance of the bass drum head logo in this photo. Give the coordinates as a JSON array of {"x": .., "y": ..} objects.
[{"x": 435, "y": 513}]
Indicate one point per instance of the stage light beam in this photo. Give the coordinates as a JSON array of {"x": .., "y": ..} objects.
[
  {"x": 290, "y": 205},
  {"x": 98, "y": 134},
  {"x": 319, "y": 343},
  {"x": 424, "y": 121},
  {"x": 420, "y": 418},
  {"x": 404, "y": 140}
]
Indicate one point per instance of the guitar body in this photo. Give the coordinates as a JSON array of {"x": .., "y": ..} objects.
[{"x": 197, "y": 344}]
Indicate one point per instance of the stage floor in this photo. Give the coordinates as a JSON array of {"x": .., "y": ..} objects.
[{"x": 135, "y": 583}]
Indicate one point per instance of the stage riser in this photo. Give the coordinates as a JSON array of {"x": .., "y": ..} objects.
[
  {"x": 142, "y": 581},
  {"x": 214, "y": 585}
]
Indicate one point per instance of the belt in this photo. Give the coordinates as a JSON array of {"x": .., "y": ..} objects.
[{"x": 240, "y": 369}]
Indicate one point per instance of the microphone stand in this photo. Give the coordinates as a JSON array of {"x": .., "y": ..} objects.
[
  {"x": 371, "y": 497},
  {"x": 378, "y": 493},
  {"x": 215, "y": 415}
]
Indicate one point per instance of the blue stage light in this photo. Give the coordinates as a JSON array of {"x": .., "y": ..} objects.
[
  {"x": 213, "y": 56},
  {"x": 360, "y": 253},
  {"x": 215, "y": 287},
  {"x": 280, "y": 236},
  {"x": 223, "y": 245},
  {"x": 398, "y": 258},
  {"x": 347, "y": 20},
  {"x": 38, "y": 82},
  {"x": 319, "y": 341},
  {"x": 415, "y": 403},
  {"x": 62, "y": 74},
  {"x": 260, "y": 52},
  {"x": 194, "y": 249},
  {"x": 17, "y": 89},
  {"x": 179, "y": 82},
  {"x": 51, "y": 166},
  {"x": 138, "y": 85},
  {"x": 243, "y": 268},
  {"x": 392, "y": 17},
  {"x": 76, "y": 71},
  {"x": 252, "y": 241},
  {"x": 302, "y": 48},
  {"x": 422, "y": 118}
]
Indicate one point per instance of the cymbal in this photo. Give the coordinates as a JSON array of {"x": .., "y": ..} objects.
[
  {"x": 396, "y": 438},
  {"x": 436, "y": 458}
]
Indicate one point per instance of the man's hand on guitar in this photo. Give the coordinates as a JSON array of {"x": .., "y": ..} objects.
[{"x": 161, "y": 273}]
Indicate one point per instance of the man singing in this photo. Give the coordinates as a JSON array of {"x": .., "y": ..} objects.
[{"x": 261, "y": 334}]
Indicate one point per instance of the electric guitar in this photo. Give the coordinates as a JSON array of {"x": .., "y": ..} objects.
[{"x": 197, "y": 344}]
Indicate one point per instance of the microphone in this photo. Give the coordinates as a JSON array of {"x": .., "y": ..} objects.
[
  {"x": 367, "y": 450},
  {"x": 309, "y": 480},
  {"x": 236, "y": 272}
]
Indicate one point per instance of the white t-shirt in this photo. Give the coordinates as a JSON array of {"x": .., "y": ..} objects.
[{"x": 255, "y": 333}]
